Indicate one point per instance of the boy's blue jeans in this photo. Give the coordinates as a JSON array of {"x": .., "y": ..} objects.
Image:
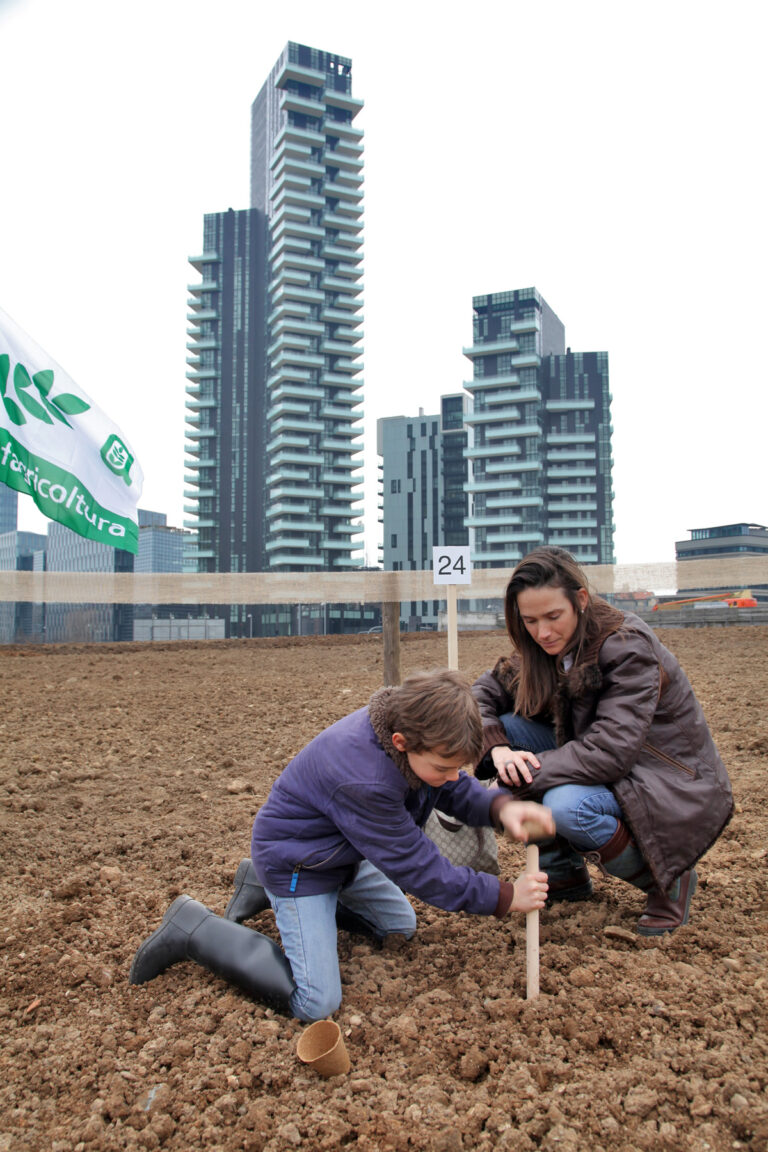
[
  {"x": 586, "y": 816},
  {"x": 307, "y": 926}
]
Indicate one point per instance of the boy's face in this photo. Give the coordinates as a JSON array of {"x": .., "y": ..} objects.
[{"x": 431, "y": 767}]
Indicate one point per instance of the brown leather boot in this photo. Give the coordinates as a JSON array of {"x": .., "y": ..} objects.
[
  {"x": 666, "y": 911},
  {"x": 621, "y": 857}
]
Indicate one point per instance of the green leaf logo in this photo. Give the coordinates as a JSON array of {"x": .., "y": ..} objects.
[
  {"x": 117, "y": 458},
  {"x": 42, "y": 406}
]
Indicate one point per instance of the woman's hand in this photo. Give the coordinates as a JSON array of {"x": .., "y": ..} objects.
[
  {"x": 530, "y": 892},
  {"x": 512, "y": 767},
  {"x": 523, "y": 819}
]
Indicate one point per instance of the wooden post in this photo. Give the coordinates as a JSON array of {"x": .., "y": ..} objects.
[
  {"x": 390, "y": 628},
  {"x": 532, "y": 931},
  {"x": 452, "y": 621}
]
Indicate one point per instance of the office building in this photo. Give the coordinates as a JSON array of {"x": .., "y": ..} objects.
[
  {"x": 161, "y": 548},
  {"x": 66, "y": 551},
  {"x": 540, "y": 456},
  {"x": 21, "y": 622},
  {"x": 9, "y": 501},
  {"x": 726, "y": 542},
  {"x": 273, "y": 450},
  {"x": 455, "y": 438},
  {"x": 422, "y": 477}
]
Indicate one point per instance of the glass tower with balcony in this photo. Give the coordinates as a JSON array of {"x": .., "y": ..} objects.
[
  {"x": 306, "y": 176},
  {"x": 274, "y": 411},
  {"x": 540, "y": 452},
  {"x": 226, "y": 402}
]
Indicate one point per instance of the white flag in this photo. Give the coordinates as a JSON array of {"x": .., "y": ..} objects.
[{"x": 57, "y": 446}]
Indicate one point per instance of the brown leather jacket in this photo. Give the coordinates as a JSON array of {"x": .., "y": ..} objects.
[{"x": 627, "y": 717}]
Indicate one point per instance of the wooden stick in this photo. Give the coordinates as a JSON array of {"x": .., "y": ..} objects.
[
  {"x": 533, "y": 828},
  {"x": 452, "y": 621},
  {"x": 532, "y": 931}
]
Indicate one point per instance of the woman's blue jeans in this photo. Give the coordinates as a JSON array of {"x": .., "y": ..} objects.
[
  {"x": 307, "y": 926},
  {"x": 586, "y": 815}
]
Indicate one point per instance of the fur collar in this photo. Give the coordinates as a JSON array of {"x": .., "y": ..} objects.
[
  {"x": 377, "y": 711},
  {"x": 580, "y": 680}
]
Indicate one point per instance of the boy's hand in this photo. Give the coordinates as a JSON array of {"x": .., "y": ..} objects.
[
  {"x": 519, "y": 813},
  {"x": 530, "y": 892}
]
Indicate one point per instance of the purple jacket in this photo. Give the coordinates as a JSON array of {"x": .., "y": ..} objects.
[{"x": 342, "y": 800}]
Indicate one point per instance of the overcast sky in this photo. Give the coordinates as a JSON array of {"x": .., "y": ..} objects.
[{"x": 610, "y": 154}]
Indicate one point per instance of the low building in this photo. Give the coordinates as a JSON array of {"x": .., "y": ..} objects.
[{"x": 725, "y": 542}]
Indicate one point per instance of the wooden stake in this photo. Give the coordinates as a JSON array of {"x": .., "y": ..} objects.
[
  {"x": 532, "y": 931},
  {"x": 533, "y": 828},
  {"x": 452, "y": 622},
  {"x": 390, "y": 627}
]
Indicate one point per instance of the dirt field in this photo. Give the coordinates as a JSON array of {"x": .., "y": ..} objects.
[{"x": 131, "y": 773}]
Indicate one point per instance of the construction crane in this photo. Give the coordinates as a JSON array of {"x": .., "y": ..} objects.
[{"x": 743, "y": 599}]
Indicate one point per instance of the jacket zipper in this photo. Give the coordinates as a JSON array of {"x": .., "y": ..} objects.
[
  {"x": 310, "y": 867},
  {"x": 669, "y": 760}
]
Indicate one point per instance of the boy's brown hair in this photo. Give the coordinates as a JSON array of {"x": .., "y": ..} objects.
[{"x": 436, "y": 712}]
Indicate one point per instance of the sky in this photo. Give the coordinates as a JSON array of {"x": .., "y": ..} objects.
[{"x": 611, "y": 154}]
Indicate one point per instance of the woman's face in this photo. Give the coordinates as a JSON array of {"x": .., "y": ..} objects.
[{"x": 549, "y": 616}]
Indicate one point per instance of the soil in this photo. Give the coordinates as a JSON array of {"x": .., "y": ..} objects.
[{"x": 131, "y": 773}]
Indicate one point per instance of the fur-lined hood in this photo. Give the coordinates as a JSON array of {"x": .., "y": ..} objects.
[{"x": 377, "y": 710}]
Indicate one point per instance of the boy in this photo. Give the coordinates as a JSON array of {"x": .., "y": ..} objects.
[{"x": 342, "y": 826}]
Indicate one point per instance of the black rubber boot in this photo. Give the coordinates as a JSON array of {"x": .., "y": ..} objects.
[
  {"x": 566, "y": 871},
  {"x": 249, "y": 897},
  {"x": 190, "y": 931}
]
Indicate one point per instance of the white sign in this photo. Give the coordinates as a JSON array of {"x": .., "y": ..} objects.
[{"x": 451, "y": 566}]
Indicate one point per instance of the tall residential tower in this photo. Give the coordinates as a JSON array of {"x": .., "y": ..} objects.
[
  {"x": 540, "y": 456},
  {"x": 275, "y": 394}
]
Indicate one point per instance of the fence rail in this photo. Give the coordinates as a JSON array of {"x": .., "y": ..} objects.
[{"x": 365, "y": 587}]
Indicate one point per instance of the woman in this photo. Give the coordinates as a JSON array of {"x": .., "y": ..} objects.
[{"x": 592, "y": 715}]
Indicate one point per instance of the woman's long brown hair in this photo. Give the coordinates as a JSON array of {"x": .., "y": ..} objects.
[{"x": 547, "y": 567}]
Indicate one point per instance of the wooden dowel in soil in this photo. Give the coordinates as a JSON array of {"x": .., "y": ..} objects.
[
  {"x": 532, "y": 931},
  {"x": 533, "y": 828}
]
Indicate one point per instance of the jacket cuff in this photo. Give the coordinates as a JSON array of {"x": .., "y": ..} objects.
[
  {"x": 499, "y": 801},
  {"x": 506, "y": 896},
  {"x": 493, "y": 736}
]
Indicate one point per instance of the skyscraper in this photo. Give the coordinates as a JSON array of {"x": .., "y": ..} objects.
[
  {"x": 540, "y": 459},
  {"x": 423, "y": 474},
  {"x": 275, "y": 392},
  {"x": 226, "y": 395}
]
